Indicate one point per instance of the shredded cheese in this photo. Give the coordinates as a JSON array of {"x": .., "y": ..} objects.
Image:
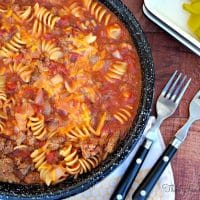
[{"x": 101, "y": 123}]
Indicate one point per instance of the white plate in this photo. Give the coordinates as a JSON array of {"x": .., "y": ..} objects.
[
  {"x": 171, "y": 31},
  {"x": 173, "y": 19}
]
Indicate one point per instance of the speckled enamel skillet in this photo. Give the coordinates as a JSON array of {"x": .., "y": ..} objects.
[{"x": 72, "y": 187}]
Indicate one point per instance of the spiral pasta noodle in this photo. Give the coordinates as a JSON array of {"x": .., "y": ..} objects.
[
  {"x": 114, "y": 31},
  {"x": 2, "y": 125},
  {"x": 38, "y": 28},
  {"x": 48, "y": 173},
  {"x": 38, "y": 156},
  {"x": 88, "y": 24},
  {"x": 53, "y": 133},
  {"x": 52, "y": 174},
  {"x": 12, "y": 46},
  {"x": 71, "y": 159},
  {"x": 37, "y": 126},
  {"x": 45, "y": 16},
  {"x": 100, "y": 13},
  {"x": 88, "y": 164},
  {"x": 81, "y": 132},
  {"x": 3, "y": 96},
  {"x": 51, "y": 50},
  {"x": 3, "y": 99},
  {"x": 26, "y": 14},
  {"x": 43, "y": 21},
  {"x": 124, "y": 114},
  {"x": 116, "y": 71},
  {"x": 24, "y": 71},
  {"x": 3, "y": 116},
  {"x": 2, "y": 82},
  {"x": 2, "y": 9},
  {"x": 76, "y": 9},
  {"x": 21, "y": 146}
]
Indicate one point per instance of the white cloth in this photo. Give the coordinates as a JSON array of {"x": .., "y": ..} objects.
[{"x": 164, "y": 190}]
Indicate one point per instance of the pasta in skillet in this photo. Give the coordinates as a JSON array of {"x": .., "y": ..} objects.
[
  {"x": 70, "y": 87},
  {"x": 12, "y": 46},
  {"x": 24, "y": 72}
]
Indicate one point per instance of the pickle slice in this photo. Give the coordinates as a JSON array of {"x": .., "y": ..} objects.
[{"x": 194, "y": 20}]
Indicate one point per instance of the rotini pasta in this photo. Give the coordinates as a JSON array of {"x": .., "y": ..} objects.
[
  {"x": 52, "y": 133},
  {"x": 76, "y": 9},
  {"x": 22, "y": 146},
  {"x": 52, "y": 174},
  {"x": 51, "y": 50},
  {"x": 114, "y": 31},
  {"x": 100, "y": 13},
  {"x": 3, "y": 117},
  {"x": 89, "y": 24},
  {"x": 12, "y": 46},
  {"x": 81, "y": 132},
  {"x": 71, "y": 159},
  {"x": 116, "y": 71},
  {"x": 3, "y": 96},
  {"x": 2, "y": 9},
  {"x": 2, "y": 125},
  {"x": 87, "y": 164},
  {"x": 45, "y": 16},
  {"x": 43, "y": 21},
  {"x": 37, "y": 126},
  {"x": 2, "y": 82},
  {"x": 38, "y": 28},
  {"x": 48, "y": 173},
  {"x": 26, "y": 14},
  {"x": 124, "y": 114},
  {"x": 38, "y": 156},
  {"x": 70, "y": 83},
  {"x": 25, "y": 72}
]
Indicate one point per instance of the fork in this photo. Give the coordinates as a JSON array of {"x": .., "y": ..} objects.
[
  {"x": 148, "y": 183},
  {"x": 166, "y": 105}
]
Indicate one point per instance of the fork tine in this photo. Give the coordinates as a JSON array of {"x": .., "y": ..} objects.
[
  {"x": 173, "y": 86},
  {"x": 166, "y": 88},
  {"x": 183, "y": 91},
  {"x": 178, "y": 89}
]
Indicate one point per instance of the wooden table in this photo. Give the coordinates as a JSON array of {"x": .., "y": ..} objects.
[{"x": 169, "y": 55}]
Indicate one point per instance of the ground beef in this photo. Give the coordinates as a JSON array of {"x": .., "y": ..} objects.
[
  {"x": 6, "y": 145},
  {"x": 33, "y": 178},
  {"x": 20, "y": 137},
  {"x": 24, "y": 166},
  {"x": 91, "y": 147},
  {"x": 30, "y": 139},
  {"x": 2, "y": 143},
  {"x": 9, "y": 147},
  {"x": 7, "y": 171},
  {"x": 112, "y": 142},
  {"x": 52, "y": 157},
  {"x": 56, "y": 142}
]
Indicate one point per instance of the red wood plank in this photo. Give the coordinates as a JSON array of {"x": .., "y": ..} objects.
[{"x": 169, "y": 55}]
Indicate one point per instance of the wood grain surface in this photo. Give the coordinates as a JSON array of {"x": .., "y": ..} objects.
[{"x": 169, "y": 55}]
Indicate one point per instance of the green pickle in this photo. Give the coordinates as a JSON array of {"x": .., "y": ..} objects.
[{"x": 194, "y": 21}]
